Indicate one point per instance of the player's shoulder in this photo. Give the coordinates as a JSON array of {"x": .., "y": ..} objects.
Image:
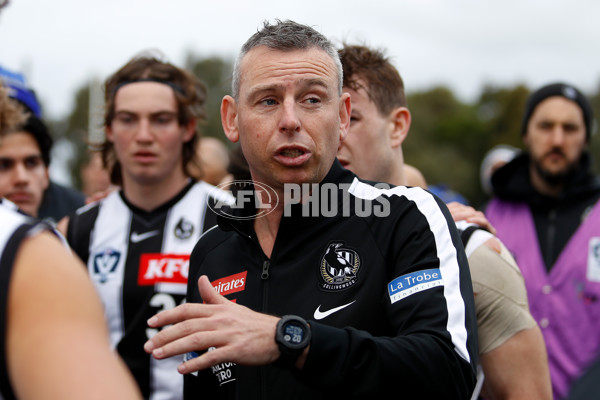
[
  {"x": 213, "y": 193},
  {"x": 94, "y": 206},
  {"x": 397, "y": 194},
  {"x": 214, "y": 239}
]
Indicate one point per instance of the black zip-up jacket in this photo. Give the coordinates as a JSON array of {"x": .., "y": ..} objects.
[
  {"x": 555, "y": 218},
  {"x": 404, "y": 324}
]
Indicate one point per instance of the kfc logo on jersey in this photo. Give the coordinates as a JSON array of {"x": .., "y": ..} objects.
[
  {"x": 105, "y": 264},
  {"x": 163, "y": 268},
  {"x": 230, "y": 284}
]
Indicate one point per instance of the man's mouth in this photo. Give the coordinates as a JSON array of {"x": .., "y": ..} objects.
[
  {"x": 144, "y": 156},
  {"x": 293, "y": 156},
  {"x": 292, "y": 153},
  {"x": 19, "y": 197}
]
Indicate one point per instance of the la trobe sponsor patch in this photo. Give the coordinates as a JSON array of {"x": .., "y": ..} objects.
[{"x": 415, "y": 282}]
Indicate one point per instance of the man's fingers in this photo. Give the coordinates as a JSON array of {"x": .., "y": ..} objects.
[
  {"x": 168, "y": 335},
  {"x": 185, "y": 320},
  {"x": 177, "y": 314},
  {"x": 208, "y": 293},
  {"x": 196, "y": 342}
]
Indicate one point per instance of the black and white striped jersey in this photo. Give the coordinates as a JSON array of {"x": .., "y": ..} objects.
[
  {"x": 14, "y": 227},
  {"x": 138, "y": 261}
]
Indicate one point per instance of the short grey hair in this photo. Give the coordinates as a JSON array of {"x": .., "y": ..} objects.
[{"x": 286, "y": 36}]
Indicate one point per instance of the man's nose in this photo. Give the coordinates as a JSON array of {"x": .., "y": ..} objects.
[
  {"x": 289, "y": 121},
  {"x": 558, "y": 135},
  {"x": 144, "y": 130},
  {"x": 20, "y": 172}
]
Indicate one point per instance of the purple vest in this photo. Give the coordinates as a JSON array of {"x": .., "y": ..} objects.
[{"x": 566, "y": 302}]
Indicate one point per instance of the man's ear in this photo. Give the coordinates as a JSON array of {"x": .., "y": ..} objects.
[
  {"x": 525, "y": 140},
  {"x": 229, "y": 118},
  {"x": 47, "y": 180},
  {"x": 400, "y": 119},
  {"x": 109, "y": 134},
  {"x": 189, "y": 130},
  {"x": 345, "y": 113}
]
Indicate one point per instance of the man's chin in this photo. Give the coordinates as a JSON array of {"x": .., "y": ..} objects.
[{"x": 554, "y": 176}]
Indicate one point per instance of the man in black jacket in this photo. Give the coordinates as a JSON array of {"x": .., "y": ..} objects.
[{"x": 325, "y": 286}]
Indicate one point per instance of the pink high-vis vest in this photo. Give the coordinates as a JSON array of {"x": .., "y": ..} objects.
[{"x": 564, "y": 302}]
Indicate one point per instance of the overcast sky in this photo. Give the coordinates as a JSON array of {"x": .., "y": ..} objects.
[{"x": 464, "y": 44}]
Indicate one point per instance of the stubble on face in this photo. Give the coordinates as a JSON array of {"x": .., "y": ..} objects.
[
  {"x": 288, "y": 114},
  {"x": 556, "y": 140}
]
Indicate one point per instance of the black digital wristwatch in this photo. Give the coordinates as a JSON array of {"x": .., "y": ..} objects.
[{"x": 292, "y": 336}]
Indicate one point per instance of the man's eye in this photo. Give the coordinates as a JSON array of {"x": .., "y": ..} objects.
[
  {"x": 6, "y": 164},
  {"x": 313, "y": 100},
  {"x": 268, "y": 102},
  {"x": 125, "y": 119},
  {"x": 33, "y": 162},
  {"x": 164, "y": 119},
  {"x": 570, "y": 128}
]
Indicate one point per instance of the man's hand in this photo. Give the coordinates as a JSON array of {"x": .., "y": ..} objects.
[
  {"x": 462, "y": 212},
  {"x": 237, "y": 333}
]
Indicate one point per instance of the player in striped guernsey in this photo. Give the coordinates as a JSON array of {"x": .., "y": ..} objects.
[
  {"x": 136, "y": 242},
  {"x": 50, "y": 318}
]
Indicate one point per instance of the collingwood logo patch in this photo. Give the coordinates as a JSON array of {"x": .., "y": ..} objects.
[
  {"x": 184, "y": 229},
  {"x": 339, "y": 267},
  {"x": 105, "y": 264}
]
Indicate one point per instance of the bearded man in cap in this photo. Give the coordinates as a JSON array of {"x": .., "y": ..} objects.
[{"x": 546, "y": 211}]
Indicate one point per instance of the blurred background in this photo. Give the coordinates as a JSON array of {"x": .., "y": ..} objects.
[{"x": 468, "y": 66}]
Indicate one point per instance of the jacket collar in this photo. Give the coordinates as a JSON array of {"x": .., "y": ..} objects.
[{"x": 240, "y": 217}]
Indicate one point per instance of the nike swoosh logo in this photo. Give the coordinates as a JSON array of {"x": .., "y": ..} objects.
[
  {"x": 322, "y": 314},
  {"x": 138, "y": 237}
]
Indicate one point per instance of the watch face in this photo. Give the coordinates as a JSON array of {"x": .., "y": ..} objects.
[{"x": 293, "y": 333}]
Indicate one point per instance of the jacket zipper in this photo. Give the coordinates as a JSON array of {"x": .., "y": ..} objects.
[
  {"x": 265, "y": 270},
  {"x": 264, "y": 276}
]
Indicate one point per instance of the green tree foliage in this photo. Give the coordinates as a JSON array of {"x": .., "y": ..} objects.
[
  {"x": 449, "y": 138},
  {"x": 501, "y": 109},
  {"x": 77, "y": 132},
  {"x": 215, "y": 73},
  {"x": 595, "y": 140},
  {"x": 447, "y": 141}
]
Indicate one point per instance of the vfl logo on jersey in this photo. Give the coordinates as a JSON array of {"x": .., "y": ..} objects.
[
  {"x": 415, "y": 282},
  {"x": 230, "y": 284},
  {"x": 163, "y": 268},
  {"x": 105, "y": 264},
  {"x": 339, "y": 267},
  {"x": 593, "y": 261},
  {"x": 184, "y": 229}
]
